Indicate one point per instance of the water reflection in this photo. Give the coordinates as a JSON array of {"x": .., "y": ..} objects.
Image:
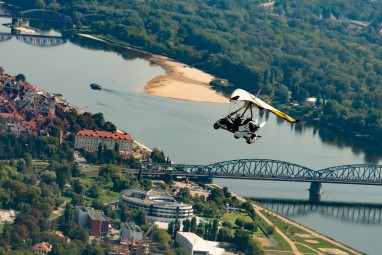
[
  {"x": 89, "y": 43},
  {"x": 361, "y": 213}
]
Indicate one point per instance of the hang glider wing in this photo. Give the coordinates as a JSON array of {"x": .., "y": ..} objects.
[{"x": 242, "y": 95}]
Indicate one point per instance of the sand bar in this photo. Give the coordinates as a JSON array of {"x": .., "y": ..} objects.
[
  {"x": 179, "y": 82},
  {"x": 182, "y": 82}
]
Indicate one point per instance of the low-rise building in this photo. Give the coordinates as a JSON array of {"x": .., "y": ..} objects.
[
  {"x": 42, "y": 248},
  {"x": 89, "y": 140},
  {"x": 159, "y": 206},
  {"x": 196, "y": 245}
]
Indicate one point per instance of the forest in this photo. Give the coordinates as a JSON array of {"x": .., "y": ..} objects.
[{"x": 290, "y": 50}]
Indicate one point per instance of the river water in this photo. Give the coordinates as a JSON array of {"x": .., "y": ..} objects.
[{"x": 183, "y": 130}]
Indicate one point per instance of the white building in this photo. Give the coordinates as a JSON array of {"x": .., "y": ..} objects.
[
  {"x": 159, "y": 206},
  {"x": 130, "y": 231},
  {"x": 89, "y": 140},
  {"x": 196, "y": 245}
]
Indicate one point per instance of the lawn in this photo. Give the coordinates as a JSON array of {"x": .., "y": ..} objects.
[{"x": 231, "y": 217}]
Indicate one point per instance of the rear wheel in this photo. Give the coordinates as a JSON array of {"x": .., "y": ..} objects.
[
  {"x": 216, "y": 126},
  {"x": 248, "y": 141}
]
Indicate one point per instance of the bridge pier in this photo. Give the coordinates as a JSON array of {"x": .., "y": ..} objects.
[
  {"x": 315, "y": 188},
  {"x": 16, "y": 21},
  {"x": 315, "y": 192}
]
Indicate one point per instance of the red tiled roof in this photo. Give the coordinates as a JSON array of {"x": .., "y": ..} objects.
[
  {"x": 13, "y": 114},
  {"x": 44, "y": 246},
  {"x": 29, "y": 124},
  {"x": 105, "y": 134}
]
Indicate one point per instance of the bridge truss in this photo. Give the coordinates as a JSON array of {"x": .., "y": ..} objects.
[{"x": 267, "y": 169}]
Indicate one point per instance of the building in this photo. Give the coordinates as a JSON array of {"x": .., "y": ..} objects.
[
  {"x": 81, "y": 215},
  {"x": 137, "y": 247},
  {"x": 42, "y": 248},
  {"x": 118, "y": 249},
  {"x": 196, "y": 245},
  {"x": 98, "y": 223},
  {"x": 159, "y": 206},
  {"x": 94, "y": 220},
  {"x": 130, "y": 231},
  {"x": 89, "y": 140}
]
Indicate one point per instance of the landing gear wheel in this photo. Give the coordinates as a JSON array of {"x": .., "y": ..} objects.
[
  {"x": 216, "y": 126},
  {"x": 248, "y": 141}
]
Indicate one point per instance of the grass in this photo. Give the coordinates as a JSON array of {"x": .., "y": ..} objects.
[
  {"x": 292, "y": 233},
  {"x": 231, "y": 217}
]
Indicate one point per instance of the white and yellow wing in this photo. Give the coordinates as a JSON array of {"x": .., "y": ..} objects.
[{"x": 242, "y": 95}]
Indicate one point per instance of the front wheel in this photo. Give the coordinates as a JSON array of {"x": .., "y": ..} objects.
[
  {"x": 216, "y": 126},
  {"x": 248, "y": 141}
]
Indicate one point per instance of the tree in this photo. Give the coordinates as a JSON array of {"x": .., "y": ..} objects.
[
  {"x": 157, "y": 156},
  {"x": 140, "y": 217},
  {"x": 167, "y": 178},
  {"x": 214, "y": 230},
  {"x": 193, "y": 225},
  {"x": 186, "y": 225},
  {"x": 254, "y": 247},
  {"x": 176, "y": 227},
  {"x": 20, "y": 77},
  {"x": 123, "y": 212},
  {"x": 250, "y": 226},
  {"x": 239, "y": 222},
  {"x": 225, "y": 235},
  {"x": 94, "y": 248},
  {"x": 170, "y": 228},
  {"x": 185, "y": 195}
]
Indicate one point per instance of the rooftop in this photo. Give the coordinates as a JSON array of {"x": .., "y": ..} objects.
[
  {"x": 105, "y": 134},
  {"x": 199, "y": 244}
]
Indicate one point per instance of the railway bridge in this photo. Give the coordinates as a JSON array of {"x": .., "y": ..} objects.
[
  {"x": 273, "y": 170},
  {"x": 34, "y": 14}
]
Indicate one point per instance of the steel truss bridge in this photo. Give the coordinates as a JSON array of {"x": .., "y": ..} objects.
[
  {"x": 362, "y": 213},
  {"x": 35, "y": 40},
  {"x": 36, "y": 14},
  {"x": 273, "y": 170}
]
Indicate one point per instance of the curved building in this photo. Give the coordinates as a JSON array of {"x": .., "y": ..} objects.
[{"x": 159, "y": 206}]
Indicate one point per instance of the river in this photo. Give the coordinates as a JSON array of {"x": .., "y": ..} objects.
[{"x": 183, "y": 130}]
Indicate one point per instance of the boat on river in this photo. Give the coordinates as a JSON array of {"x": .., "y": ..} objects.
[{"x": 95, "y": 86}]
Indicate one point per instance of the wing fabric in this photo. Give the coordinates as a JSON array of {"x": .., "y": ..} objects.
[{"x": 242, "y": 95}]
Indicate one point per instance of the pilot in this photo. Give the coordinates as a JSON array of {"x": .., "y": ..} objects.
[
  {"x": 253, "y": 127},
  {"x": 236, "y": 123}
]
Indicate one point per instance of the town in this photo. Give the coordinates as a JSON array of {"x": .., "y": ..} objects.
[{"x": 92, "y": 203}]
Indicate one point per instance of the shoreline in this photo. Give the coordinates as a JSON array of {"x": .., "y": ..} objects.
[{"x": 180, "y": 81}]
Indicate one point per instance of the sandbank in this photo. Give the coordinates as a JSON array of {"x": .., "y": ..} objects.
[
  {"x": 179, "y": 82},
  {"x": 24, "y": 29},
  {"x": 182, "y": 82}
]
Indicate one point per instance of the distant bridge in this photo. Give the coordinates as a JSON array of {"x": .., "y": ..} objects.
[
  {"x": 363, "y": 213},
  {"x": 35, "y": 14},
  {"x": 35, "y": 40},
  {"x": 274, "y": 170}
]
